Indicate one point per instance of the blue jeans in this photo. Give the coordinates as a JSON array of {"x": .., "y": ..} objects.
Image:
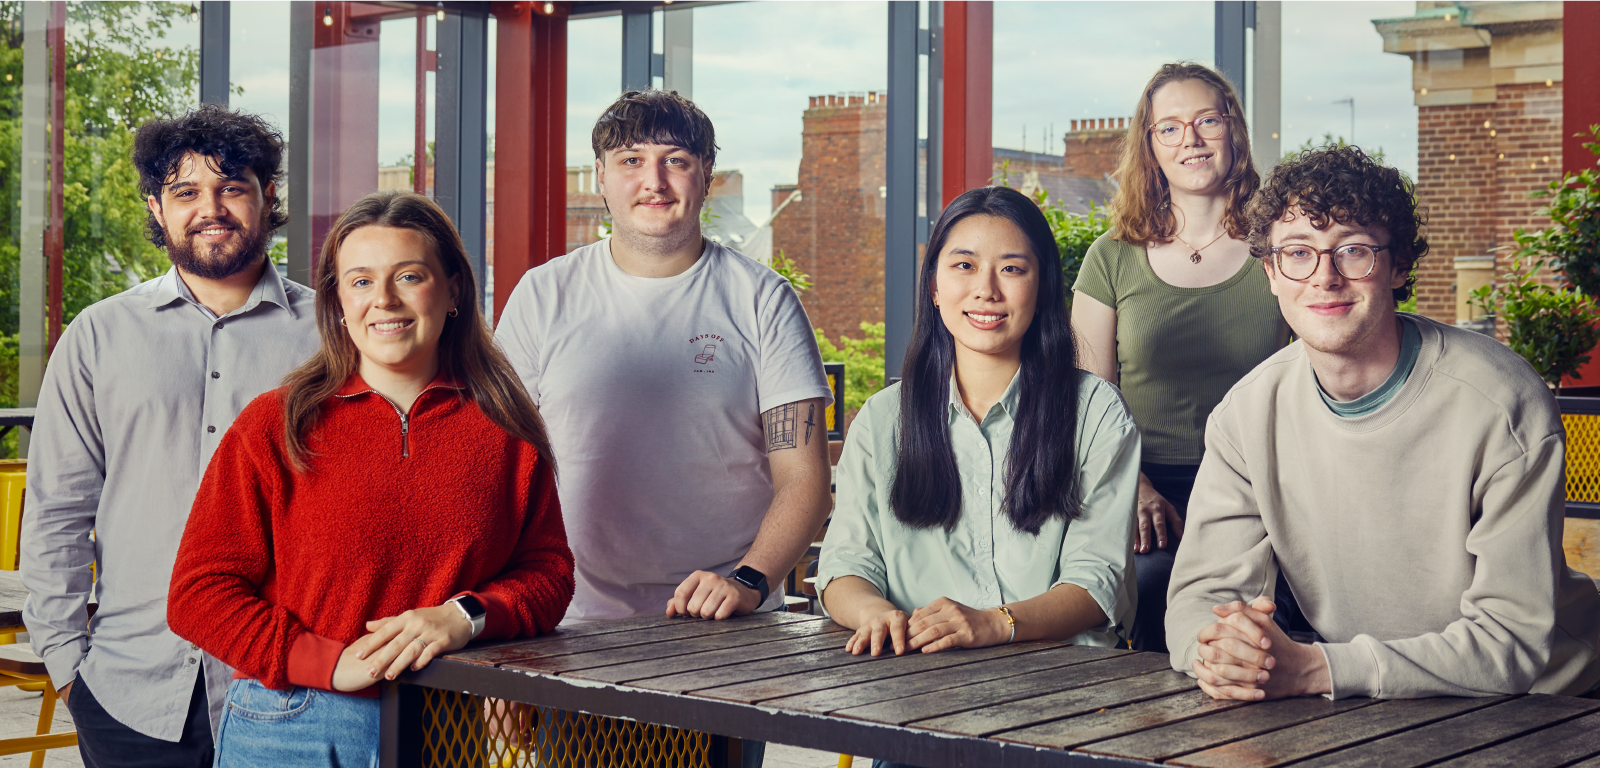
[{"x": 298, "y": 726}]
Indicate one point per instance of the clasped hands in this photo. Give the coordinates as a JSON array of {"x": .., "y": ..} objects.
[
  {"x": 1245, "y": 656},
  {"x": 394, "y": 643},
  {"x": 941, "y": 624}
]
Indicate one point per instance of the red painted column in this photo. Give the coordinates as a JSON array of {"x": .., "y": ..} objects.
[
  {"x": 1580, "y": 96},
  {"x": 968, "y": 129},
  {"x": 530, "y": 190}
]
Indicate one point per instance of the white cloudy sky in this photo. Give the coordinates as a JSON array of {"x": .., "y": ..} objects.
[{"x": 756, "y": 63}]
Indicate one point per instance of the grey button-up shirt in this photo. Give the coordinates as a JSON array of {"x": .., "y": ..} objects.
[{"x": 136, "y": 397}]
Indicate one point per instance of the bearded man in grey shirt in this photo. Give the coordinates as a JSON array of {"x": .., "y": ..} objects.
[{"x": 137, "y": 395}]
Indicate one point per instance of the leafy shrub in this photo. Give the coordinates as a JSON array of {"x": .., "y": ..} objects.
[{"x": 1553, "y": 328}]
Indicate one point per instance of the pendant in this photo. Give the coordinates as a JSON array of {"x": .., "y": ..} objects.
[{"x": 1195, "y": 257}]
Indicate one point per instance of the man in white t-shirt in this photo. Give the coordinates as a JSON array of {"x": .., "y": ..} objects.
[{"x": 681, "y": 385}]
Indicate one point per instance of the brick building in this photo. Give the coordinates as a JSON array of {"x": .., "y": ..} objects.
[
  {"x": 1487, "y": 80},
  {"x": 834, "y": 230}
]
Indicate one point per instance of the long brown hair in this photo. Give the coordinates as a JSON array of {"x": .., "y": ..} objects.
[
  {"x": 1141, "y": 211},
  {"x": 467, "y": 351}
]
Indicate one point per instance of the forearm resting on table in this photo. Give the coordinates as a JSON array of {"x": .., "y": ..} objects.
[
  {"x": 852, "y": 601},
  {"x": 1061, "y": 612}
]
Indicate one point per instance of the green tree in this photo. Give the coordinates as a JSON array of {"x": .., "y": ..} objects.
[
  {"x": 121, "y": 70},
  {"x": 863, "y": 364}
]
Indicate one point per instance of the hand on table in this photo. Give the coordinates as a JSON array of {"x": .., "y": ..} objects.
[
  {"x": 709, "y": 596},
  {"x": 1155, "y": 514},
  {"x": 1245, "y": 656},
  {"x": 945, "y": 623},
  {"x": 411, "y": 639},
  {"x": 881, "y": 632}
]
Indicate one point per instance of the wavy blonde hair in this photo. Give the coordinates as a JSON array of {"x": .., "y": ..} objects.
[{"x": 1141, "y": 211}]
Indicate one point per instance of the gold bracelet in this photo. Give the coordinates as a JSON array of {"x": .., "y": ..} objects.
[{"x": 1006, "y": 612}]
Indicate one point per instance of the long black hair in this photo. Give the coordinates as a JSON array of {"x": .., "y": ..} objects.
[{"x": 1041, "y": 475}]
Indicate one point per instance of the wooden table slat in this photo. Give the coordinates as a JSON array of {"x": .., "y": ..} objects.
[
  {"x": 879, "y": 668},
  {"x": 1552, "y": 747},
  {"x": 1100, "y": 726},
  {"x": 946, "y": 700},
  {"x": 1460, "y": 735},
  {"x": 676, "y": 667},
  {"x": 611, "y": 657},
  {"x": 723, "y": 675},
  {"x": 1013, "y": 715},
  {"x": 581, "y": 639},
  {"x": 943, "y": 680},
  {"x": 1332, "y": 733},
  {"x": 1159, "y": 744}
]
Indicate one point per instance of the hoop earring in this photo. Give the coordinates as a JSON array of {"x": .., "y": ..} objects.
[
  {"x": 453, "y": 312},
  {"x": 341, "y": 321}
]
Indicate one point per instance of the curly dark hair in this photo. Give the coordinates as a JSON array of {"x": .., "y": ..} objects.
[
  {"x": 1343, "y": 184},
  {"x": 231, "y": 142},
  {"x": 655, "y": 117}
]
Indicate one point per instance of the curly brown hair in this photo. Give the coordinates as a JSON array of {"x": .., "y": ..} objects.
[
  {"x": 1343, "y": 184},
  {"x": 230, "y": 141},
  {"x": 1141, "y": 211}
]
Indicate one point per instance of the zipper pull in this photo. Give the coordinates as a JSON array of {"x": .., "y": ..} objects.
[{"x": 405, "y": 431}]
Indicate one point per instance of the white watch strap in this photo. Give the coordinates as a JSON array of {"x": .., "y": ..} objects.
[{"x": 477, "y": 623}]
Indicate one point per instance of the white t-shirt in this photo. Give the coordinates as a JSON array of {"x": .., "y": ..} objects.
[{"x": 652, "y": 390}]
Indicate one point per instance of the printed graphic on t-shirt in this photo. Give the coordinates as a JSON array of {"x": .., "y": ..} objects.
[{"x": 705, "y": 351}]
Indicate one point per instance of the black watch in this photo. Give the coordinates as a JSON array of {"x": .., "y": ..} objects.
[{"x": 753, "y": 579}]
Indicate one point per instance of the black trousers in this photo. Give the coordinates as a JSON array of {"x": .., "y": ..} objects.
[
  {"x": 104, "y": 742},
  {"x": 1176, "y": 482}
]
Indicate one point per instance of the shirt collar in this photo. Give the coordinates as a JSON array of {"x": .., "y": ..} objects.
[
  {"x": 170, "y": 287},
  {"x": 356, "y": 385},
  {"x": 1008, "y": 399}
]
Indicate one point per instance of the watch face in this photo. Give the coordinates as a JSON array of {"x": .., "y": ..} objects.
[
  {"x": 750, "y": 577},
  {"x": 474, "y": 606}
]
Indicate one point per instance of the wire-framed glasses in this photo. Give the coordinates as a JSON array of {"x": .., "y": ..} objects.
[
  {"x": 1353, "y": 261},
  {"x": 1206, "y": 126}
]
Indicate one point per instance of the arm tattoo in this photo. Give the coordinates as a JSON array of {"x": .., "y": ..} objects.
[
  {"x": 811, "y": 420},
  {"x": 781, "y": 426}
]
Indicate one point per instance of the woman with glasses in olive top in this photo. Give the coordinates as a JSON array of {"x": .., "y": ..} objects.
[{"x": 1169, "y": 305}]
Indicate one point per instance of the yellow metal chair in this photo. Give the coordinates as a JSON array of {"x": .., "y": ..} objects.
[{"x": 18, "y": 665}]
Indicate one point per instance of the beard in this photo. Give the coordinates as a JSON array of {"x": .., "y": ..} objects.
[{"x": 218, "y": 262}]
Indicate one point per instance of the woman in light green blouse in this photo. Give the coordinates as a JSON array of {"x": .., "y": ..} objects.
[{"x": 988, "y": 497}]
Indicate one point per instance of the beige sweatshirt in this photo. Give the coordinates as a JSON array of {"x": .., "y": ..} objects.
[{"x": 1423, "y": 540}]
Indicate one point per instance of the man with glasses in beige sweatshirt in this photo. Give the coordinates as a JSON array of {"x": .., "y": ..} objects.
[{"x": 1406, "y": 476}]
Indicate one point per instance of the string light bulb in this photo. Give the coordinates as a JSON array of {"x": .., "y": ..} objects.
[
  {"x": 439, "y": 13},
  {"x": 549, "y": 8},
  {"x": 327, "y": 16},
  {"x": 194, "y": 13}
]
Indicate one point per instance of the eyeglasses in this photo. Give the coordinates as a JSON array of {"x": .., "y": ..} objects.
[
  {"x": 1209, "y": 126},
  {"x": 1353, "y": 262}
]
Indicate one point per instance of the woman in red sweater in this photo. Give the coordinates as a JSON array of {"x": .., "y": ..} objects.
[{"x": 393, "y": 501}]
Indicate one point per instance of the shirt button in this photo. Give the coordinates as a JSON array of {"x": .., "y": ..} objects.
[
  {"x": 189, "y": 661},
  {"x": 218, "y": 326},
  {"x": 216, "y": 375},
  {"x": 194, "y": 647},
  {"x": 211, "y": 429}
]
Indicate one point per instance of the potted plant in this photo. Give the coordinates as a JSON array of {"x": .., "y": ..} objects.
[{"x": 1552, "y": 327}]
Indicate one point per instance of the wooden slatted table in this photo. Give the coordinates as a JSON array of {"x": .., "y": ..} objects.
[{"x": 785, "y": 678}]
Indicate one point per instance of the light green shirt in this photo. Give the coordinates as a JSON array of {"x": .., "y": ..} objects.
[{"x": 985, "y": 561}]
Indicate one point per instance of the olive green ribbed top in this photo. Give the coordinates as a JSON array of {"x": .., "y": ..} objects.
[{"x": 1179, "y": 350}]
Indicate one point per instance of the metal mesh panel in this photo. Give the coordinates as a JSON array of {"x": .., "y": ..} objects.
[
  {"x": 1583, "y": 456},
  {"x": 465, "y": 731}
]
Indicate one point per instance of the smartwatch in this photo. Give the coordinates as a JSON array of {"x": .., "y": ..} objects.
[
  {"x": 753, "y": 579},
  {"x": 472, "y": 608}
]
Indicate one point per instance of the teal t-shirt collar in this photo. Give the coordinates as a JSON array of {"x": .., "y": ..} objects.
[{"x": 1410, "y": 345}]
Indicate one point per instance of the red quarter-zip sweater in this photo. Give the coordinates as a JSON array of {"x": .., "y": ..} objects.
[{"x": 279, "y": 571}]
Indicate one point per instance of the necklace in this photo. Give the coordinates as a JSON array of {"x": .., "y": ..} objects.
[{"x": 1194, "y": 258}]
